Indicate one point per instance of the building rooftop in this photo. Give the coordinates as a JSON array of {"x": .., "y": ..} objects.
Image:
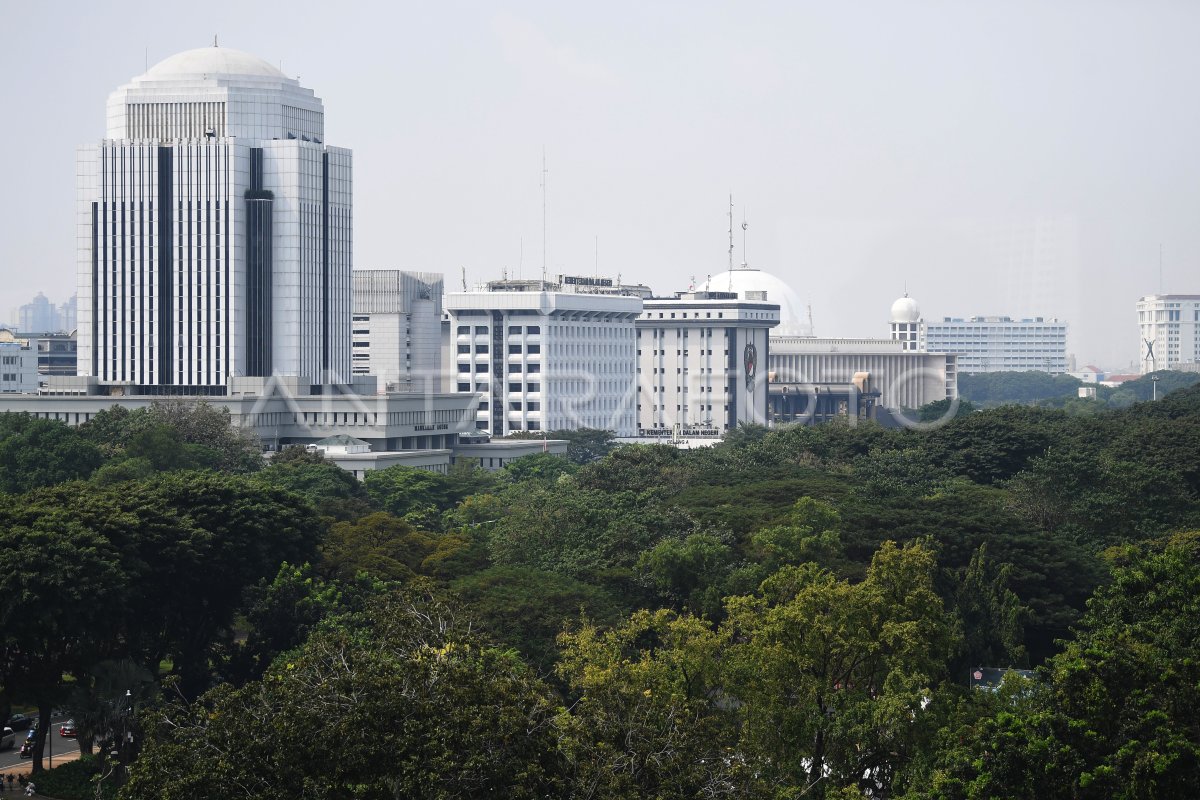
[{"x": 211, "y": 62}]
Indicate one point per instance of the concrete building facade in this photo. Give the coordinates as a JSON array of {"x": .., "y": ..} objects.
[
  {"x": 545, "y": 355},
  {"x": 397, "y": 329},
  {"x": 702, "y": 360},
  {"x": 1169, "y": 332},
  {"x": 1001, "y": 344}
]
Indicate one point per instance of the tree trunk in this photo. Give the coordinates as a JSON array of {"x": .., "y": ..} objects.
[
  {"x": 816, "y": 770},
  {"x": 39, "y": 741}
]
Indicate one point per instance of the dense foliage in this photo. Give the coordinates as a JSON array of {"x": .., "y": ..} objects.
[{"x": 795, "y": 612}]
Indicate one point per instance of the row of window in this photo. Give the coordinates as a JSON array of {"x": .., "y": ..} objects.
[
  {"x": 513, "y": 349},
  {"x": 512, "y": 368},
  {"x": 482, "y": 330},
  {"x": 514, "y": 388}
]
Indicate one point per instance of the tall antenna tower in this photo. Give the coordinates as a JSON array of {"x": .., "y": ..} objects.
[
  {"x": 731, "y": 231},
  {"x": 730, "y": 242},
  {"x": 544, "y": 173}
]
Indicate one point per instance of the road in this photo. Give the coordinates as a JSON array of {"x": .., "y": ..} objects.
[{"x": 55, "y": 744}]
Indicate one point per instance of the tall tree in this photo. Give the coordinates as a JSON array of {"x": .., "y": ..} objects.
[
  {"x": 63, "y": 591},
  {"x": 834, "y": 676}
]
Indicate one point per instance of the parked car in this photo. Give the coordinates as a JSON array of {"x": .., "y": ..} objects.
[
  {"x": 19, "y": 722},
  {"x": 8, "y": 738},
  {"x": 67, "y": 729}
]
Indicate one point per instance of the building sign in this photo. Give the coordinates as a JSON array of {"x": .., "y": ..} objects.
[
  {"x": 441, "y": 426},
  {"x": 697, "y": 432},
  {"x": 572, "y": 280},
  {"x": 750, "y": 360}
]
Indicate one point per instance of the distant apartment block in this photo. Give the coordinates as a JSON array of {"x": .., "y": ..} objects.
[
  {"x": 1169, "y": 329},
  {"x": 1001, "y": 344}
]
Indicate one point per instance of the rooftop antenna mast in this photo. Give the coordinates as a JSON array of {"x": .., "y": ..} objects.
[
  {"x": 597, "y": 256},
  {"x": 1160, "y": 271},
  {"x": 544, "y": 172},
  {"x": 464, "y": 278},
  {"x": 731, "y": 241},
  {"x": 521, "y": 261}
]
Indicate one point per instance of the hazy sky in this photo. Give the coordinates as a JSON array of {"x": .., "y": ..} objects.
[{"x": 998, "y": 158}]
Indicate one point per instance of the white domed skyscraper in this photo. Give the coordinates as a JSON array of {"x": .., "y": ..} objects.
[
  {"x": 214, "y": 230},
  {"x": 907, "y": 325}
]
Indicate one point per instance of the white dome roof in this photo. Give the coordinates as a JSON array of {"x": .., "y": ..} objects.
[
  {"x": 906, "y": 310},
  {"x": 212, "y": 61},
  {"x": 748, "y": 279}
]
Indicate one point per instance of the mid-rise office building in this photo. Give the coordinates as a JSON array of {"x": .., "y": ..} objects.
[
  {"x": 702, "y": 362},
  {"x": 1000, "y": 344},
  {"x": 397, "y": 329},
  {"x": 545, "y": 355},
  {"x": 214, "y": 231},
  {"x": 1169, "y": 330}
]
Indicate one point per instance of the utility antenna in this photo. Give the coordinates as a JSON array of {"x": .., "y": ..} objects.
[
  {"x": 1160, "y": 271},
  {"x": 521, "y": 262},
  {"x": 731, "y": 232},
  {"x": 214, "y": 40},
  {"x": 745, "y": 225},
  {"x": 812, "y": 329},
  {"x": 464, "y": 278},
  {"x": 544, "y": 173},
  {"x": 146, "y": 60},
  {"x": 730, "y": 242},
  {"x": 597, "y": 256}
]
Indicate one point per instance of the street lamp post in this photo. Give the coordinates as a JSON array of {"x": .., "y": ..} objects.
[{"x": 1154, "y": 387}]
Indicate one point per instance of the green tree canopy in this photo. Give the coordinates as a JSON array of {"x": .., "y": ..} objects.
[
  {"x": 40, "y": 452},
  {"x": 413, "y": 704}
]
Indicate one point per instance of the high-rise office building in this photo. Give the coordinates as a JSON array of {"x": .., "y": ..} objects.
[
  {"x": 397, "y": 331},
  {"x": 38, "y": 316},
  {"x": 214, "y": 230},
  {"x": 1169, "y": 328}
]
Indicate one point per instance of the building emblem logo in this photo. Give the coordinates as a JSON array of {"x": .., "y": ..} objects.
[{"x": 750, "y": 361}]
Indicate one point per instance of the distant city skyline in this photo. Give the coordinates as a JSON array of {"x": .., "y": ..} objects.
[{"x": 1003, "y": 160}]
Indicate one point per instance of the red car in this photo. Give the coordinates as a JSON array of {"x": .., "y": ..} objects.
[{"x": 67, "y": 729}]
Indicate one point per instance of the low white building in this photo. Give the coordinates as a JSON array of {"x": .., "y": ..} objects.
[
  {"x": 545, "y": 355},
  {"x": 281, "y": 411},
  {"x": 904, "y": 378},
  {"x": 396, "y": 333},
  {"x": 702, "y": 360}
]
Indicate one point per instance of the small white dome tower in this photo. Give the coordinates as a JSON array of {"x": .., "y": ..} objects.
[{"x": 907, "y": 325}]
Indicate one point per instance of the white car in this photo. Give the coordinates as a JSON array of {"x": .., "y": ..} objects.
[{"x": 8, "y": 739}]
